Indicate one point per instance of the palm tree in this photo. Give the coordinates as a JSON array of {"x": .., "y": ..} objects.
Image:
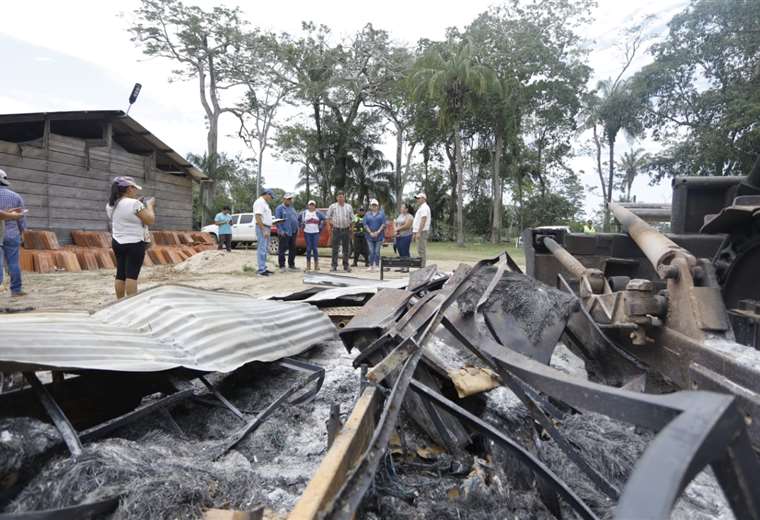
[
  {"x": 617, "y": 109},
  {"x": 371, "y": 173},
  {"x": 453, "y": 81},
  {"x": 630, "y": 165}
]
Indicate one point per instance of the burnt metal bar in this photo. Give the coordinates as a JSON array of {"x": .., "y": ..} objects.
[
  {"x": 225, "y": 402},
  {"x": 578, "y": 505},
  {"x": 351, "y": 494},
  {"x": 117, "y": 422},
  {"x": 59, "y": 418},
  {"x": 317, "y": 376}
]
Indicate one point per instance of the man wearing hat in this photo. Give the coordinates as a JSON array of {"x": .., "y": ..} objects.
[
  {"x": 13, "y": 223},
  {"x": 421, "y": 226},
  {"x": 287, "y": 230},
  {"x": 263, "y": 214}
]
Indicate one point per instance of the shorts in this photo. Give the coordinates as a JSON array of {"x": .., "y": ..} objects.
[{"x": 129, "y": 259}]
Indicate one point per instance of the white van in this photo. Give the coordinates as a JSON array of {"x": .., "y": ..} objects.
[{"x": 243, "y": 229}]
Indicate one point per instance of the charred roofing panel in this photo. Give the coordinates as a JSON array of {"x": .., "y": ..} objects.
[{"x": 162, "y": 328}]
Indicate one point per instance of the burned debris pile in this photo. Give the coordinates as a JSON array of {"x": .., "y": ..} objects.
[{"x": 461, "y": 395}]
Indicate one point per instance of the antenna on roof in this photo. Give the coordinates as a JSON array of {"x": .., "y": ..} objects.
[{"x": 133, "y": 96}]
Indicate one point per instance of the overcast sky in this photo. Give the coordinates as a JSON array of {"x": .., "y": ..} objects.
[{"x": 77, "y": 55}]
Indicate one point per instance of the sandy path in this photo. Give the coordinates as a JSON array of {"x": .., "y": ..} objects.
[{"x": 91, "y": 290}]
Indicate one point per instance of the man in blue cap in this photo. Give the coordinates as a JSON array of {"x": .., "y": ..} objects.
[
  {"x": 263, "y": 214},
  {"x": 286, "y": 232}
]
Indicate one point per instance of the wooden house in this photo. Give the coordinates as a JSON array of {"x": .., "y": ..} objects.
[{"x": 62, "y": 164}]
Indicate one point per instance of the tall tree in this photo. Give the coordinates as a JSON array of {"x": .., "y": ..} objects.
[
  {"x": 535, "y": 51},
  {"x": 335, "y": 79},
  {"x": 371, "y": 175},
  {"x": 629, "y": 166},
  {"x": 200, "y": 42},
  {"x": 256, "y": 68},
  {"x": 618, "y": 109},
  {"x": 391, "y": 95},
  {"x": 450, "y": 77},
  {"x": 703, "y": 90}
]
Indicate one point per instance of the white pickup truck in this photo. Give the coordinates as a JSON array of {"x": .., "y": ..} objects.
[{"x": 243, "y": 229}]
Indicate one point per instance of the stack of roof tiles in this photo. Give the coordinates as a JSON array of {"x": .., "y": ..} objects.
[{"x": 92, "y": 250}]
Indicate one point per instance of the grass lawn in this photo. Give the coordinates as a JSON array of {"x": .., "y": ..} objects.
[{"x": 472, "y": 251}]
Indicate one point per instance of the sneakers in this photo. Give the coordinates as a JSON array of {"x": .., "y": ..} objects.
[
  {"x": 269, "y": 272},
  {"x": 347, "y": 269},
  {"x": 283, "y": 270},
  {"x": 294, "y": 270},
  {"x": 333, "y": 269},
  {"x": 263, "y": 274},
  {"x": 19, "y": 294}
]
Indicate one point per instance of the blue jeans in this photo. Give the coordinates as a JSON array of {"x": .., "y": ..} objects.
[
  {"x": 10, "y": 250},
  {"x": 262, "y": 248},
  {"x": 374, "y": 249},
  {"x": 312, "y": 241},
  {"x": 403, "y": 244}
]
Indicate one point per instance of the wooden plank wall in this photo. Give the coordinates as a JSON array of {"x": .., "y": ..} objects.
[{"x": 66, "y": 187}]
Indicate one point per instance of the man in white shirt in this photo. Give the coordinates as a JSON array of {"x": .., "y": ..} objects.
[
  {"x": 263, "y": 214},
  {"x": 421, "y": 226}
]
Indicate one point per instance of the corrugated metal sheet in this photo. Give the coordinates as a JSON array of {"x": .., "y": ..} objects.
[{"x": 165, "y": 327}]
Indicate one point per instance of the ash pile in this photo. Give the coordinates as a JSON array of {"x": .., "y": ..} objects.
[{"x": 449, "y": 396}]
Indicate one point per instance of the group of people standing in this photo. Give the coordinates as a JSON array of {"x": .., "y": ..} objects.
[{"x": 366, "y": 228}]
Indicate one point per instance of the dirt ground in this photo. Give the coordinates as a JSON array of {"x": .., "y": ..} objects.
[{"x": 235, "y": 271}]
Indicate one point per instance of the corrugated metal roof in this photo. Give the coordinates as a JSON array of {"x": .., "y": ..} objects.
[
  {"x": 127, "y": 132},
  {"x": 165, "y": 327}
]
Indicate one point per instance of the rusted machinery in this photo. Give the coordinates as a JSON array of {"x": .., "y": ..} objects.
[{"x": 680, "y": 308}]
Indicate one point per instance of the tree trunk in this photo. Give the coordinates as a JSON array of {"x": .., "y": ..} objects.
[
  {"x": 207, "y": 201},
  {"x": 320, "y": 140},
  {"x": 399, "y": 181},
  {"x": 258, "y": 171},
  {"x": 453, "y": 198},
  {"x": 308, "y": 191},
  {"x": 460, "y": 185},
  {"x": 497, "y": 211},
  {"x": 610, "y": 179}
]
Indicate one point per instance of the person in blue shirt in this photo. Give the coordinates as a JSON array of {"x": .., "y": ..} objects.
[
  {"x": 374, "y": 229},
  {"x": 224, "y": 231},
  {"x": 287, "y": 230},
  {"x": 14, "y": 224}
]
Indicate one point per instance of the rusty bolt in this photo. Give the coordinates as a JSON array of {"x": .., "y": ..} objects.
[{"x": 668, "y": 271}]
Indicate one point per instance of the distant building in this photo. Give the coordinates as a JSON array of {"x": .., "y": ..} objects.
[{"x": 62, "y": 163}]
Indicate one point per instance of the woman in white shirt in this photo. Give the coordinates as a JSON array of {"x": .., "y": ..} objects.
[
  {"x": 130, "y": 219},
  {"x": 312, "y": 222}
]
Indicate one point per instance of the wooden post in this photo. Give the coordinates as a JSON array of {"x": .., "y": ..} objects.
[{"x": 342, "y": 457}]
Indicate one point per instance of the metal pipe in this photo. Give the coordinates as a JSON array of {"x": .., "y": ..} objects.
[
  {"x": 594, "y": 277},
  {"x": 658, "y": 248},
  {"x": 567, "y": 260}
]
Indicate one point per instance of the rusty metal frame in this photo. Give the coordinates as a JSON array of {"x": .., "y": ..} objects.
[{"x": 696, "y": 429}]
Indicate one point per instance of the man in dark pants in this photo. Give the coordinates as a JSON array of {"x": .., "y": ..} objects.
[
  {"x": 340, "y": 215},
  {"x": 224, "y": 231},
  {"x": 360, "y": 240},
  {"x": 287, "y": 230}
]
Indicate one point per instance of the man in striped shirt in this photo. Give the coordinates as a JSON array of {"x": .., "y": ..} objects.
[
  {"x": 340, "y": 215},
  {"x": 13, "y": 223}
]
